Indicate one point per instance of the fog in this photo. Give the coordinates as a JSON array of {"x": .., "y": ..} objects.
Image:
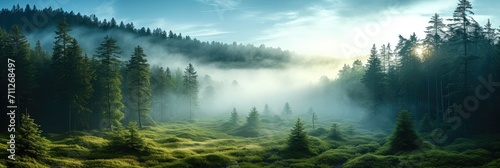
[{"x": 301, "y": 82}]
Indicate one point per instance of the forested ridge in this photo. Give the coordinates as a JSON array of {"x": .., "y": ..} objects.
[
  {"x": 224, "y": 55},
  {"x": 425, "y": 102}
]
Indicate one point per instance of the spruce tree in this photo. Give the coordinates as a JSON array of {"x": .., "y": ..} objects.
[
  {"x": 139, "y": 85},
  {"x": 287, "y": 110},
  {"x": 135, "y": 140},
  {"x": 234, "y": 117},
  {"x": 253, "y": 119},
  {"x": 335, "y": 133},
  {"x": 404, "y": 137},
  {"x": 18, "y": 49},
  {"x": 29, "y": 142},
  {"x": 72, "y": 75},
  {"x": 297, "y": 143},
  {"x": 266, "y": 110},
  {"x": 109, "y": 82},
  {"x": 425, "y": 125},
  {"x": 373, "y": 78},
  {"x": 191, "y": 88}
]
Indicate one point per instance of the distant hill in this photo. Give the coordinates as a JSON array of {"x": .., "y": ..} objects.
[{"x": 39, "y": 24}]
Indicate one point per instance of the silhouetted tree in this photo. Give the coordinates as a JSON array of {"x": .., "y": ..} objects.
[{"x": 191, "y": 88}]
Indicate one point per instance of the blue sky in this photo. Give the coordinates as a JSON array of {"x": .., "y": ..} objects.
[{"x": 333, "y": 28}]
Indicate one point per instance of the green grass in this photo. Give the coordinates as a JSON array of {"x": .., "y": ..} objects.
[{"x": 205, "y": 144}]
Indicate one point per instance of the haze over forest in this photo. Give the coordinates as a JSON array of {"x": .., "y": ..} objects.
[{"x": 398, "y": 92}]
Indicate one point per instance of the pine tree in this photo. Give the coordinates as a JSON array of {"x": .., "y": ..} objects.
[
  {"x": 109, "y": 81},
  {"x": 234, "y": 117},
  {"x": 287, "y": 110},
  {"x": 253, "y": 119},
  {"x": 191, "y": 88},
  {"x": 425, "y": 125},
  {"x": 135, "y": 140},
  {"x": 161, "y": 83},
  {"x": 18, "y": 49},
  {"x": 266, "y": 110},
  {"x": 139, "y": 85},
  {"x": 29, "y": 142},
  {"x": 297, "y": 143},
  {"x": 73, "y": 75},
  {"x": 335, "y": 133},
  {"x": 373, "y": 78},
  {"x": 404, "y": 137}
]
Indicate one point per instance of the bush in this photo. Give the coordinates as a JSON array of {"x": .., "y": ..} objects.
[
  {"x": 318, "y": 132},
  {"x": 333, "y": 157},
  {"x": 367, "y": 148},
  {"x": 212, "y": 160},
  {"x": 370, "y": 160}
]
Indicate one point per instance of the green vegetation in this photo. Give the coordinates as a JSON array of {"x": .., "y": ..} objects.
[
  {"x": 404, "y": 137},
  {"x": 298, "y": 142},
  {"x": 184, "y": 144}
]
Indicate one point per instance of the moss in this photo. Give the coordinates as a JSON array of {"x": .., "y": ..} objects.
[
  {"x": 333, "y": 157},
  {"x": 65, "y": 162},
  {"x": 91, "y": 142},
  {"x": 493, "y": 164},
  {"x": 112, "y": 163},
  {"x": 302, "y": 165},
  {"x": 370, "y": 160},
  {"x": 182, "y": 153},
  {"x": 439, "y": 158},
  {"x": 367, "y": 148},
  {"x": 317, "y": 145},
  {"x": 70, "y": 151},
  {"x": 212, "y": 160}
]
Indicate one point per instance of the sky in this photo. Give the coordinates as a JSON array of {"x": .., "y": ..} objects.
[{"x": 327, "y": 28}]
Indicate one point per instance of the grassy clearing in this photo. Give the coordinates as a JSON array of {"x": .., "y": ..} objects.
[{"x": 206, "y": 144}]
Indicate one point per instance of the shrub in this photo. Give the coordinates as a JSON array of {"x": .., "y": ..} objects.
[
  {"x": 333, "y": 157},
  {"x": 208, "y": 161},
  {"x": 370, "y": 160}
]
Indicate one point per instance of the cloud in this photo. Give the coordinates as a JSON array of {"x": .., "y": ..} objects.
[
  {"x": 363, "y": 7},
  {"x": 191, "y": 29}
]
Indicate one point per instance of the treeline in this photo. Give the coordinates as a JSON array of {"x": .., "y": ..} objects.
[
  {"x": 69, "y": 91},
  {"x": 450, "y": 75},
  {"x": 222, "y": 55}
]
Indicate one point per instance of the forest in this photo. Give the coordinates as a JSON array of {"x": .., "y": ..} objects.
[{"x": 83, "y": 92}]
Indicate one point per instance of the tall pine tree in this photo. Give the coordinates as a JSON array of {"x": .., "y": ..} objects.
[
  {"x": 139, "y": 84},
  {"x": 191, "y": 88},
  {"x": 109, "y": 81}
]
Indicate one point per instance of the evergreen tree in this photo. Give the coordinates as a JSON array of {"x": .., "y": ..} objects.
[
  {"x": 253, "y": 119},
  {"x": 109, "y": 81},
  {"x": 18, "y": 49},
  {"x": 234, "y": 117},
  {"x": 135, "y": 140},
  {"x": 404, "y": 137},
  {"x": 73, "y": 75},
  {"x": 266, "y": 110},
  {"x": 139, "y": 85},
  {"x": 161, "y": 83},
  {"x": 287, "y": 110},
  {"x": 425, "y": 124},
  {"x": 29, "y": 142},
  {"x": 373, "y": 78},
  {"x": 191, "y": 88},
  {"x": 297, "y": 143},
  {"x": 314, "y": 118},
  {"x": 335, "y": 133}
]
